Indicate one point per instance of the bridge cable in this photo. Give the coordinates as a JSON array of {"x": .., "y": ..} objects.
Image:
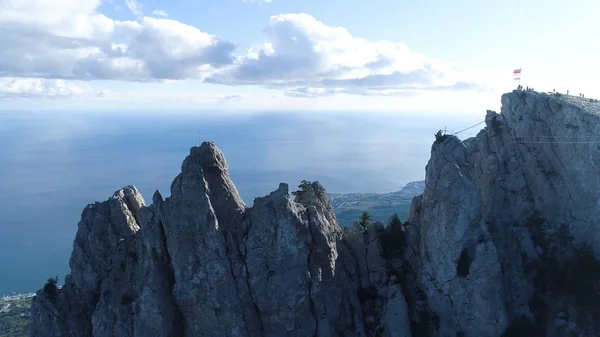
[{"x": 470, "y": 127}]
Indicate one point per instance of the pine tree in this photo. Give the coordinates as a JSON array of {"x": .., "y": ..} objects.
[
  {"x": 303, "y": 188},
  {"x": 365, "y": 220}
]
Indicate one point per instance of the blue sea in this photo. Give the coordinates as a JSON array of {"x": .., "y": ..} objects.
[{"x": 52, "y": 164}]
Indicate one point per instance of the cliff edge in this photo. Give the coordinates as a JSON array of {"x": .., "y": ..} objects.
[{"x": 507, "y": 221}]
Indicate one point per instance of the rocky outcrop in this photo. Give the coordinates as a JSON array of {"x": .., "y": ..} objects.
[
  {"x": 504, "y": 241},
  {"x": 201, "y": 263},
  {"x": 495, "y": 236}
]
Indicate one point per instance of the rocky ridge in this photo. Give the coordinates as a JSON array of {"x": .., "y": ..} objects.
[
  {"x": 503, "y": 242},
  {"x": 201, "y": 263}
]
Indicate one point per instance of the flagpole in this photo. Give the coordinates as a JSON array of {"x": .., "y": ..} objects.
[
  {"x": 520, "y": 74},
  {"x": 517, "y": 72}
]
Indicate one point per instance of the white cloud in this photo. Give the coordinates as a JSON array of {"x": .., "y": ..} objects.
[
  {"x": 158, "y": 12},
  {"x": 313, "y": 92},
  {"x": 300, "y": 57},
  {"x": 234, "y": 98},
  {"x": 314, "y": 59},
  {"x": 140, "y": 93},
  {"x": 72, "y": 41},
  {"x": 58, "y": 18},
  {"x": 135, "y": 7},
  {"x": 37, "y": 87}
]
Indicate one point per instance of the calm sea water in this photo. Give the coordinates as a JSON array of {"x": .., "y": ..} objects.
[{"x": 52, "y": 164}]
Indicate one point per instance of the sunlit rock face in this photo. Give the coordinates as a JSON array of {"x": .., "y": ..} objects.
[{"x": 502, "y": 208}]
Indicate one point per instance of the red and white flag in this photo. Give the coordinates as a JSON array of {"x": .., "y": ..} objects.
[{"x": 517, "y": 74}]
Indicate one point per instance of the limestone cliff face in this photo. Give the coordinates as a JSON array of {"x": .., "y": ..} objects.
[
  {"x": 503, "y": 242},
  {"x": 201, "y": 263},
  {"x": 496, "y": 238}
]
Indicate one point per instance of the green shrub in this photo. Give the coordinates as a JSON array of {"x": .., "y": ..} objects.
[
  {"x": 392, "y": 239},
  {"x": 365, "y": 220},
  {"x": 367, "y": 293},
  {"x": 50, "y": 287},
  {"x": 440, "y": 137},
  {"x": 583, "y": 278},
  {"x": 126, "y": 299},
  {"x": 464, "y": 264},
  {"x": 575, "y": 281},
  {"x": 133, "y": 256},
  {"x": 303, "y": 188}
]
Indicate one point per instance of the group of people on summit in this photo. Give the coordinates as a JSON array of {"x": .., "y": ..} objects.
[{"x": 520, "y": 87}]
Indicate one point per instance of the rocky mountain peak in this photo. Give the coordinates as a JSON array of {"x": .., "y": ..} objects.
[
  {"x": 501, "y": 243},
  {"x": 201, "y": 263}
]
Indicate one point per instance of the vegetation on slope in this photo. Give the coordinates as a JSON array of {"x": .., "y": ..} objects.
[
  {"x": 380, "y": 206},
  {"x": 566, "y": 280},
  {"x": 14, "y": 315}
]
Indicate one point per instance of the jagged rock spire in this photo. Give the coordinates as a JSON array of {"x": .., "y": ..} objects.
[{"x": 201, "y": 263}]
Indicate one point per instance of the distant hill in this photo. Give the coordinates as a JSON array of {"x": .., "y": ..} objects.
[{"x": 349, "y": 206}]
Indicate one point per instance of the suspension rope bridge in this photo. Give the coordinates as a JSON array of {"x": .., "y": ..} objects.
[
  {"x": 470, "y": 127},
  {"x": 543, "y": 140}
]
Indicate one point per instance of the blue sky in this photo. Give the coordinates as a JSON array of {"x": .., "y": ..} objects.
[{"x": 284, "y": 54}]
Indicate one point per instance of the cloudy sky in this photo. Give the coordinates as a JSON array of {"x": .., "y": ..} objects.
[{"x": 291, "y": 54}]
